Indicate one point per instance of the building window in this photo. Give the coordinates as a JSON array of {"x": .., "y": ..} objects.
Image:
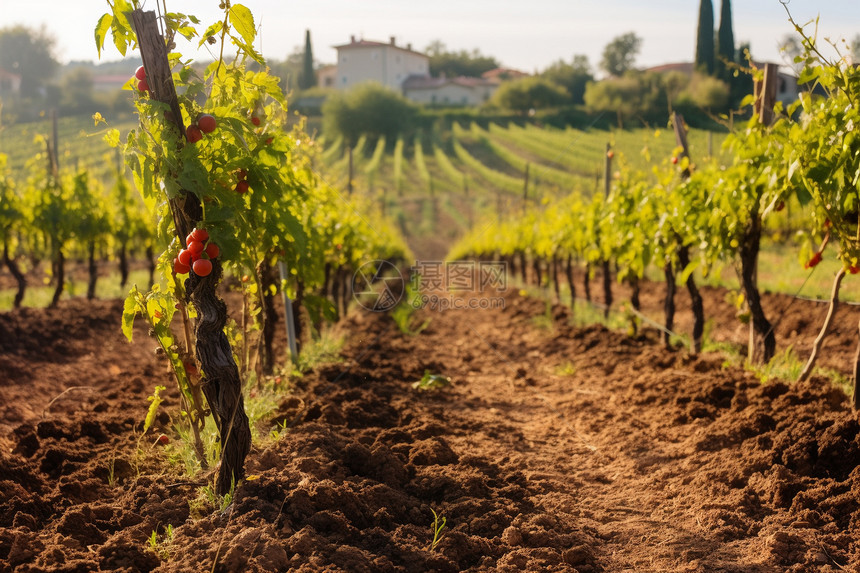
[
  {"x": 465, "y": 100},
  {"x": 343, "y": 58},
  {"x": 433, "y": 98},
  {"x": 343, "y": 80},
  {"x": 374, "y": 54}
]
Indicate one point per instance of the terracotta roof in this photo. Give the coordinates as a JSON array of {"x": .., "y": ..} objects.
[
  {"x": 8, "y": 74},
  {"x": 683, "y": 67},
  {"x": 112, "y": 78},
  {"x": 497, "y": 73},
  {"x": 371, "y": 44}
]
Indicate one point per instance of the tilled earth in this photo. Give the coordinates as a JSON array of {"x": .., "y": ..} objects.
[{"x": 556, "y": 448}]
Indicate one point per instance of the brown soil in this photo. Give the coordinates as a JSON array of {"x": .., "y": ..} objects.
[{"x": 555, "y": 449}]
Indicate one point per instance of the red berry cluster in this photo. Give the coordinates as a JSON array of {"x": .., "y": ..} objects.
[
  {"x": 142, "y": 84},
  {"x": 813, "y": 262},
  {"x": 204, "y": 124},
  {"x": 242, "y": 186},
  {"x": 197, "y": 255}
]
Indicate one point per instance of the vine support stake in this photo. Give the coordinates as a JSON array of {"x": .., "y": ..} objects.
[
  {"x": 526, "y": 187},
  {"x": 288, "y": 314},
  {"x": 828, "y": 321}
]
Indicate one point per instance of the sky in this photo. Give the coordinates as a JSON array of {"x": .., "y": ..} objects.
[{"x": 525, "y": 35}]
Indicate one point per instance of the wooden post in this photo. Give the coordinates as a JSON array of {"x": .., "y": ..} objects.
[
  {"x": 526, "y": 187},
  {"x": 765, "y": 94},
  {"x": 607, "y": 170},
  {"x": 607, "y": 186},
  {"x": 55, "y": 138},
  {"x": 349, "y": 176},
  {"x": 681, "y": 139},
  {"x": 288, "y": 314}
]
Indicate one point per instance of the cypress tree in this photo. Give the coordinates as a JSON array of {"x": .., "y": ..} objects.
[
  {"x": 307, "y": 79},
  {"x": 705, "y": 38},
  {"x": 725, "y": 42}
]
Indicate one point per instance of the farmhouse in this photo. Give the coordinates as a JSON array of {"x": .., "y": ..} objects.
[
  {"x": 9, "y": 83},
  {"x": 388, "y": 64},
  {"x": 449, "y": 91}
]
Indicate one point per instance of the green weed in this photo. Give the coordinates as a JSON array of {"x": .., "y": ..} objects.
[
  {"x": 162, "y": 545},
  {"x": 785, "y": 365},
  {"x": 404, "y": 313},
  {"x": 437, "y": 527},
  {"x": 432, "y": 382},
  {"x": 566, "y": 369},
  {"x": 322, "y": 350}
]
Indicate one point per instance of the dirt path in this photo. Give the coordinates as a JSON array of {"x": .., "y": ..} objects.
[{"x": 555, "y": 449}]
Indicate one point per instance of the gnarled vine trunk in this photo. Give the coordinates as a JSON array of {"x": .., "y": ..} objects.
[
  {"x": 268, "y": 278},
  {"x": 855, "y": 400},
  {"x": 586, "y": 282},
  {"x": 60, "y": 276},
  {"x": 568, "y": 271},
  {"x": 538, "y": 274},
  {"x": 695, "y": 300},
  {"x": 16, "y": 272},
  {"x": 298, "y": 321},
  {"x": 220, "y": 379},
  {"x": 123, "y": 265},
  {"x": 607, "y": 289},
  {"x": 93, "y": 270},
  {"x": 669, "y": 305},
  {"x": 150, "y": 257},
  {"x": 765, "y": 343},
  {"x": 555, "y": 281}
]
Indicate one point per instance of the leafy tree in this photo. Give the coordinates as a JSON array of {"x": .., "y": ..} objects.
[
  {"x": 705, "y": 92},
  {"x": 674, "y": 84},
  {"x": 525, "y": 94},
  {"x": 289, "y": 70},
  {"x": 77, "y": 91},
  {"x": 620, "y": 54},
  {"x": 573, "y": 76},
  {"x": 791, "y": 48},
  {"x": 742, "y": 84},
  {"x": 634, "y": 94},
  {"x": 705, "y": 38},
  {"x": 29, "y": 53},
  {"x": 725, "y": 41},
  {"x": 454, "y": 64},
  {"x": 308, "y": 78},
  {"x": 368, "y": 109}
]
